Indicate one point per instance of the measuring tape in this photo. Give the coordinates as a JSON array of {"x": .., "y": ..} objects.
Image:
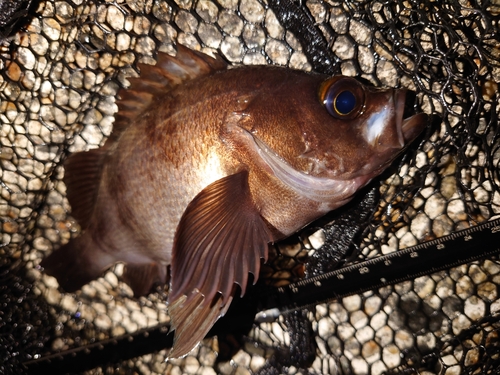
[{"x": 475, "y": 243}]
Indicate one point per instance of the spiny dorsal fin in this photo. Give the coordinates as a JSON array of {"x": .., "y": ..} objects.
[{"x": 154, "y": 80}]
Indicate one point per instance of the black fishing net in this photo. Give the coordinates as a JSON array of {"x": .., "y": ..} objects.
[{"x": 61, "y": 64}]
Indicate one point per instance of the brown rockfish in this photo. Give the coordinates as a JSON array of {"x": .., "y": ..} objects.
[{"x": 207, "y": 165}]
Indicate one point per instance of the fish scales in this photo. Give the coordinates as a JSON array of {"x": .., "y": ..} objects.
[{"x": 207, "y": 165}]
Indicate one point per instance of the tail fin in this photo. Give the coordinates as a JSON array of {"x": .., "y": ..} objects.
[{"x": 73, "y": 265}]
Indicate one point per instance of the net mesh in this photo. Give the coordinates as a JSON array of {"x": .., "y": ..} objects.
[{"x": 60, "y": 69}]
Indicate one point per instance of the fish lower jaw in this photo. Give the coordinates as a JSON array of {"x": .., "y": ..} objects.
[{"x": 413, "y": 126}]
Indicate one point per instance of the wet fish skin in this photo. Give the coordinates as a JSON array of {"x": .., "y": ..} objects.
[{"x": 206, "y": 166}]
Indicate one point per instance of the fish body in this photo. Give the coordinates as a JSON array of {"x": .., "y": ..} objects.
[{"x": 206, "y": 166}]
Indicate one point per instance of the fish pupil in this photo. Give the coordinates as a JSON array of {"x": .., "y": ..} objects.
[{"x": 345, "y": 102}]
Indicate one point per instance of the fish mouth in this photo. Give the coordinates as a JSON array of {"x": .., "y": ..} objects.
[
  {"x": 408, "y": 122},
  {"x": 393, "y": 138},
  {"x": 392, "y": 128}
]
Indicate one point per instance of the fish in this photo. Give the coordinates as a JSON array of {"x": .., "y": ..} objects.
[{"x": 208, "y": 165}]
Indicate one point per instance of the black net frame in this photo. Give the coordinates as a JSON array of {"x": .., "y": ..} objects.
[{"x": 61, "y": 64}]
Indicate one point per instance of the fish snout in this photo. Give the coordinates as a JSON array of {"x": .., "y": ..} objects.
[
  {"x": 384, "y": 127},
  {"x": 397, "y": 124}
]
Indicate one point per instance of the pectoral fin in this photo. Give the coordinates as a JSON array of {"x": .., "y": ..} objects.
[
  {"x": 220, "y": 239},
  {"x": 192, "y": 318}
]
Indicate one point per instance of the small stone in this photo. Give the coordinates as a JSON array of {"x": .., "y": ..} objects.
[
  {"x": 207, "y": 10},
  {"x": 51, "y": 28},
  {"x": 277, "y": 51},
  {"x": 230, "y": 23},
  {"x": 232, "y": 49},
  {"x": 115, "y": 18},
  {"x": 252, "y": 10}
]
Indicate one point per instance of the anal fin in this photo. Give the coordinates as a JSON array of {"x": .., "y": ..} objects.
[
  {"x": 75, "y": 264},
  {"x": 143, "y": 277}
]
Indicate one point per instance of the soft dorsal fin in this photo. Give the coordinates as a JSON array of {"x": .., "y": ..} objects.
[
  {"x": 169, "y": 72},
  {"x": 82, "y": 177}
]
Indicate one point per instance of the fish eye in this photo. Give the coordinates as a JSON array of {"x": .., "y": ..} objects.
[
  {"x": 343, "y": 97},
  {"x": 344, "y": 103}
]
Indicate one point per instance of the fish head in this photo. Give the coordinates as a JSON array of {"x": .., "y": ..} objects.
[
  {"x": 359, "y": 131},
  {"x": 324, "y": 138}
]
